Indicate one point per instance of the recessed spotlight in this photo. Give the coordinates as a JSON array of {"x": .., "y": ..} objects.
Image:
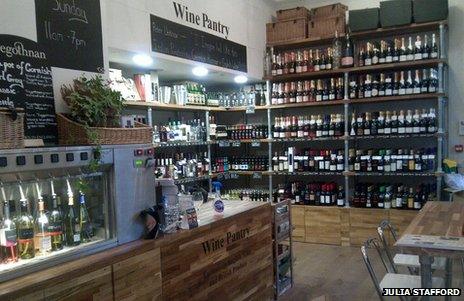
[
  {"x": 241, "y": 79},
  {"x": 142, "y": 60},
  {"x": 200, "y": 71}
]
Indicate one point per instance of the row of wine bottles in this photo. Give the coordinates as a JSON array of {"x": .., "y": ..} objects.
[
  {"x": 385, "y": 84},
  {"x": 384, "y": 52},
  {"x": 392, "y": 160},
  {"x": 307, "y": 91},
  {"x": 367, "y": 195},
  {"x": 225, "y": 164},
  {"x": 314, "y": 193},
  {"x": 308, "y": 160},
  {"x": 177, "y": 131},
  {"x": 386, "y": 123},
  {"x": 241, "y": 131},
  {"x": 398, "y": 196},
  {"x": 24, "y": 235},
  {"x": 181, "y": 165},
  {"x": 254, "y": 195},
  {"x": 313, "y": 126}
]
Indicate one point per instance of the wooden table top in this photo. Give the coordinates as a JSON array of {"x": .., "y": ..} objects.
[{"x": 437, "y": 230}]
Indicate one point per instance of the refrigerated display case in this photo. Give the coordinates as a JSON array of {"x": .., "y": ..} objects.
[{"x": 55, "y": 207}]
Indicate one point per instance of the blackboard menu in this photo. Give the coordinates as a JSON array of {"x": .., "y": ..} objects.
[
  {"x": 26, "y": 82},
  {"x": 182, "y": 41},
  {"x": 71, "y": 34}
]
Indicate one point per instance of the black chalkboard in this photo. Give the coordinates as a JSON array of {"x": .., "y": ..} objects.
[
  {"x": 178, "y": 40},
  {"x": 71, "y": 34},
  {"x": 26, "y": 82}
]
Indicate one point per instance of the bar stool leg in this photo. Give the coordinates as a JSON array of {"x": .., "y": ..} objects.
[
  {"x": 426, "y": 273},
  {"x": 448, "y": 276}
]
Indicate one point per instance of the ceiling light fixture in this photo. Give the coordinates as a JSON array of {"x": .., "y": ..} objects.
[
  {"x": 241, "y": 79},
  {"x": 142, "y": 60},
  {"x": 200, "y": 71}
]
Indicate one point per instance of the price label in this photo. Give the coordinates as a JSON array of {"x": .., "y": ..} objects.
[
  {"x": 257, "y": 175},
  {"x": 250, "y": 109},
  {"x": 234, "y": 175},
  {"x": 224, "y": 144},
  {"x": 236, "y": 144},
  {"x": 255, "y": 144}
]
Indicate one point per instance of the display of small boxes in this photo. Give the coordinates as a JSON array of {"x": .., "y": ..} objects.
[
  {"x": 430, "y": 10},
  {"x": 364, "y": 19},
  {"x": 395, "y": 13},
  {"x": 292, "y": 13}
]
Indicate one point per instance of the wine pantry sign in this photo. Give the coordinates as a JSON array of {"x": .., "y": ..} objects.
[
  {"x": 215, "y": 244},
  {"x": 183, "y": 13},
  {"x": 26, "y": 82}
]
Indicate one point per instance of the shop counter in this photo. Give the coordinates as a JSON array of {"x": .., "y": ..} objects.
[{"x": 226, "y": 257}]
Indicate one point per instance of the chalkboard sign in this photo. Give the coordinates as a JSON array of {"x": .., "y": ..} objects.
[
  {"x": 26, "y": 82},
  {"x": 178, "y": 40},
  {"x": 71, "y": 34}
]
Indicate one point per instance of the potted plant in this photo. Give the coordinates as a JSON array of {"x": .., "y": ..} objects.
[{"x": 94, "y": 118}]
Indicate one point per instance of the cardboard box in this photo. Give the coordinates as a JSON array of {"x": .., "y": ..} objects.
[
  {"x": 395, "y": 13},
  {"x": 364, "y": 19},
  {"x": 430, "y": 10}
]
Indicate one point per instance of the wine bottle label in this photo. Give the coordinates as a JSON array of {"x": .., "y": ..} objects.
[
  {"x": 347, "y": 61},
  {"x": 403, "y": 58},
  {"x": 7, "y": 237},
  {"x": 434, "y": 55},
  {"x": 76, "y": 237},
  {"x": 26, "y": 233},
  {"x": 418, "y": 56},
  {"x": 44, "y": 243},
  {"x": 389, "y": 59}
]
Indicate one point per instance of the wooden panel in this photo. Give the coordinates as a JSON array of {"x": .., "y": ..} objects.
[
  {"x": 96, "y": 286},
  {"x": 228, "y": 260},
  {"x": 345, "y": 226},
  {"x": 138, "y": 277},
  {"x": 323, "y": 225},
  {"x": 400, "y": 219},
  {"x": 35, "y": 296},
  {"x": 364, "y": 223},
  {"x": 298, "y": 221}
]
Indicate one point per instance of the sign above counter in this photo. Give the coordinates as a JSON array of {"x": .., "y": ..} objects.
[{"x": 178, "y": 40}]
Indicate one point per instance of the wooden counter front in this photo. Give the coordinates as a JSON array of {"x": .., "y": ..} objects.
[{"x": 226, "y": 258}]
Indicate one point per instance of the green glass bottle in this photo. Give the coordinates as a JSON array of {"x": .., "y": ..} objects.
[
  {"x": 55, "y": 225},
  {"x": 72, "y": 226},
  {"x": 25, "y": 228},
  {"x": 84, "y": 220}
]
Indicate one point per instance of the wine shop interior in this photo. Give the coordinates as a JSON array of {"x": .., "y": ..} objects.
[{"x": 231, "y": 150}]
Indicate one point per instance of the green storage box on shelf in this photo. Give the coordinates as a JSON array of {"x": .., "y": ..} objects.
[
  {"x": 364, "y": 19},
  {"x": 430, "y": 10},
  {"x": 395, "y": 13}
]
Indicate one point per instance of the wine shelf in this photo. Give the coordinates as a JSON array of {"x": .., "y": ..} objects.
[
  {"x": 175, "y": 107},
  {"x": 395, "y": 98},
  {"x": 357, "y": 70},
  {"x": 181, "y": 144},
  {"x": 308, "y": 104},
  {"x": 307, "y": 173},
  {"x": 392, "y": 174}
]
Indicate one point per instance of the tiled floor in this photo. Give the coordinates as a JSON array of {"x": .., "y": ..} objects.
[{"x": 338, "y": 272}]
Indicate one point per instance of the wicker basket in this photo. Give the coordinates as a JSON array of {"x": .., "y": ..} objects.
[
  {"x": 287, "y": 30},
  {"x": 73, "y": 133},
  {"x": 329, "y": 11},
  {"x": 292, "y": 13},
  {"x": 325, "y": 28},
  {"x": 11, "y": 132}
]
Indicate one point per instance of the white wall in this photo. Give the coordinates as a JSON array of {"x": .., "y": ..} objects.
[{"x": 455, "y": 56}]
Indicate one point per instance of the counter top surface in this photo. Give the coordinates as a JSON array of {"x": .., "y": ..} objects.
[{"x": 87, "y": 264}]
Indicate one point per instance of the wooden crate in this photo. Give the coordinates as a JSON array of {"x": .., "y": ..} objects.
[
  {"x": 323, "y": 225},
  {"x": 329, "y": 11},
  {"x": 364, "y": 223},
  {"x": 325, "y": 28},
  {"x": 287, "y": 30},
  {"x": 292, "y": 13},
  {"x": 298, "y": 222},
  {"x": 138, "y": 277}
]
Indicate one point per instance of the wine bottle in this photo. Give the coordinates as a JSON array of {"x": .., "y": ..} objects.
[
  {"x": 348, "y": 53},
  {"x": 8, "y": 236},
  {"x": 72, "y": 225},
  {"x": 434, "y": 48},
  {"x": 55, "y": 225},
  {"x": 43, "y": 243},
  {"x": 337, "y": 51},
  {"x": 25, "y": 226},
  {"x": 84, "y": 220}
]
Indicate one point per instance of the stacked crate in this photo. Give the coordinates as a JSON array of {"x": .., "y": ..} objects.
[
  {"x": 292, "y": 24},
  {"x": 325, "y": 20}
]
